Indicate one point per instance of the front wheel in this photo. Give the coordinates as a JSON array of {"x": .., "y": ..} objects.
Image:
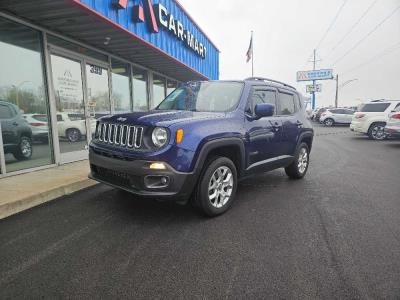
[
  {"x": 298, "y": 168},
  {"x": 377, "y": 131},
  {"x": 216, "y": 188},
  {"x": 24, "y": 150}
]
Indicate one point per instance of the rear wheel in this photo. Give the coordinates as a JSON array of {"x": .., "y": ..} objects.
[
  {"x": 24, "y": 149},
  {"x": 73, "y": 135},
  {"x": 298, "y": 168},
  {"x": 376, "y": 131},
  {"x": 216, "y": 188},
  {"x": 329, "y": 122}
]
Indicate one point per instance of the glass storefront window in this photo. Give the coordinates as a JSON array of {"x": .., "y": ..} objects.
[
  {"x": 23, "y": 100},
  {"x": 76, "y": 48},
  {"x": 158, "y": 89},
  {"x": 139, "y": 85},
  {"x": 120, "y": 86},
  {"x": 171, "y": 86}
]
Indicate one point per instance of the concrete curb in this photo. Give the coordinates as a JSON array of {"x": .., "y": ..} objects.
[{"x": 15, "y": 207}]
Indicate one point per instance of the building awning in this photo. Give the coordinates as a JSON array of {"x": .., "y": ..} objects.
[{"x": 74, "y": 19}]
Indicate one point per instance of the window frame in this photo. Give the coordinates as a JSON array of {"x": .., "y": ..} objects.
[{"x": 249, "y": 101}]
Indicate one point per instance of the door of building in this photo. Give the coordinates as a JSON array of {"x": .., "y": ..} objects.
[{"x": 80, "y": 88}]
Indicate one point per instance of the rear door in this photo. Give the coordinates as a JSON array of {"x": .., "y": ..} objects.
[
  {"x": 264, "y": 134},
  {"x": 292, "y": 120}
]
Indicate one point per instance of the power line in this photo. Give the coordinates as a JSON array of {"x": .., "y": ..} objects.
[
  {"x": 355, "y": 25},
  {"x": 332, "y": 23},
  {"x": 327, "y": 31},
  {"x": 367, "y": 35},
  {"x": 381, "y": 54}
]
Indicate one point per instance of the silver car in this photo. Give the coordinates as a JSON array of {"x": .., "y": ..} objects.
[{"x": 334, "y": 116}]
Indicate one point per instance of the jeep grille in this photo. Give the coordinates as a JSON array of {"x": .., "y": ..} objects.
[{"x": 119, "y": 135}]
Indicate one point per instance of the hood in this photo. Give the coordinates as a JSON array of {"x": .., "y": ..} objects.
[{"x": 161, "y": 118}]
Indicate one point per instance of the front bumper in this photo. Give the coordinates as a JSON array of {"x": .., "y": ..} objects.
[{"x": 135, "y": 176}]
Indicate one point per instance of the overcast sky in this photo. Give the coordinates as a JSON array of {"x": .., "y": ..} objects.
[{"x": 287, "y": 31}]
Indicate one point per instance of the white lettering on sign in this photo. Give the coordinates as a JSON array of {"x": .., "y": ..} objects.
[{"x": 175, "y": 27}]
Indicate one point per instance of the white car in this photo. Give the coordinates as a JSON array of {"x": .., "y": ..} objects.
[
  {"x": 372, "y": 118},
  {"x": 73, "y": 126},
  {"x": 392, "y": 128},
  {"x": 39, "y": 126},
  {"x": 333, "y": 116}
]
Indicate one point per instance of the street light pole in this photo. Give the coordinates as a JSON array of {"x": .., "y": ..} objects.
[
  {"x": 337, "y": 89},
  {"x": 342, "y": 85}
]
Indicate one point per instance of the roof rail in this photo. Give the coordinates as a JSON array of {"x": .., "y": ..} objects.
[{"x": 270, "y": 80}]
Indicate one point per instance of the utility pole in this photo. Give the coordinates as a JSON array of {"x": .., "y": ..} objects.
[
  {"x": 337, "y": 89},
  {"x": 313, "y": 93}
]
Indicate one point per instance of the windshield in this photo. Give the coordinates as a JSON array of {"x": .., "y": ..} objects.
[{"x": 204, "y": 97}]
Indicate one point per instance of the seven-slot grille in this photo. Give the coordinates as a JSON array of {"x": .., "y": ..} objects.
[{"x": 119, "y": 134}]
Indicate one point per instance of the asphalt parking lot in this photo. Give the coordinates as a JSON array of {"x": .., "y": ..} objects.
[{"x": 333, "y": 235}]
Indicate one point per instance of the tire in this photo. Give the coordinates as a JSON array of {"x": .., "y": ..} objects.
[
  {"x": 216, "y": 171},
  {"x": 73, "y": 135},
  {"x": 329, "y": 122},
  {"x": 376, "y": 131},
  {"x": 24, "y": 149},
  {"x": 297, "y": 169}
]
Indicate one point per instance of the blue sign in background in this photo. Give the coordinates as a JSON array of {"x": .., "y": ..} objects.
[
  {"x": 315, "y": 75},
  {"x": 164, "y": 40}
]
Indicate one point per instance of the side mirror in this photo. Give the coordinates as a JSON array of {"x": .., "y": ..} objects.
[{"x": 264, "y": 110}]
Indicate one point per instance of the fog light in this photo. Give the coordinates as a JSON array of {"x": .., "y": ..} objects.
[{"x": 157, "y": 166}]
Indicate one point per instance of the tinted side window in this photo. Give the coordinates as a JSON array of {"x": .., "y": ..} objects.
[
  {"x": 261, "y": 96},
  {"x": 397, "y": 108},
  {"x": 286, "y": 102},
  {"x": 5, "y": 112},
  {"x": 375, "y": 107}
]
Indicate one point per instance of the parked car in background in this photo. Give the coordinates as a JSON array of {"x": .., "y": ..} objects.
[
  {"x": 72, "y": 126},
  {"x": 39, "y": 126},
  {"x": 336, "y": 116},
  {"x": 16, "y": 133},
  {"x": 392, "y": 128},
  {"x": 372, "y": 118},
  {"x": 318, "y": 114}
]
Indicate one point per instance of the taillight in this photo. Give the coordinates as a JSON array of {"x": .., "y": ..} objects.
[
  {"x": 395, "y": 116},
  {"x": 37, "y": 124},
  {"x": 359, "y": 116}
]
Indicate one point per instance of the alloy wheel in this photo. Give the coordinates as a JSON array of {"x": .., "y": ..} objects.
[
  {"x": 26, "y": 148},
  {"x": 378, "y": 132},
  {"x": 220, "y": 187},
  {"x": 302, "y": 161}
]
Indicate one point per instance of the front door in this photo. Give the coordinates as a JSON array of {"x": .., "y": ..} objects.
[
  {"x": 81, "y": 93},
  {"x": 264, "y": 134}
]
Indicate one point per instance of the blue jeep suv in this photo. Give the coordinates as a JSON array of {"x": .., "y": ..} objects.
[{"x": 202, "y": 139}]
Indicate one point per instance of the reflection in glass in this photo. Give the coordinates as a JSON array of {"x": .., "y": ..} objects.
[
  {"x": 158, "y": 90},
  {"x": 68, "y": 92},
  {"x": 22, "y": 98},
  {"x": 171, "y": 86},
  {"x": 139, "y": 85},
  {"x": 120, "y": 86},
  {"x": 98, "y": 94}
]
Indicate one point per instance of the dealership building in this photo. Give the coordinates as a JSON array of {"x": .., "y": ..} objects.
[{"x": 65, "y": 63}]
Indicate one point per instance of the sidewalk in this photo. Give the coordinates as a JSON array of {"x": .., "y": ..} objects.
[{"x": 20, "y": 192}]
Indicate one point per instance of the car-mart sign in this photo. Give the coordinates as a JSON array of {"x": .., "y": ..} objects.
[
  {"x": 315, "y": 75},
  {"x": 157, "y": 16}
]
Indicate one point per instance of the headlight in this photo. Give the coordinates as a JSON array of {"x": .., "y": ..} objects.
[{"x": 159, "y": 136}]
